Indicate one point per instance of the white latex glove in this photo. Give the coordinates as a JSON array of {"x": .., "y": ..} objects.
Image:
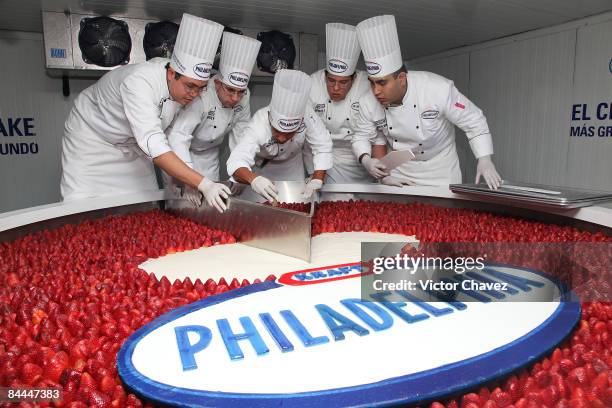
[
  {"x": 312, "y": 186},
  {"x": 214, "y": 193},
  {"x": 486, "y": 169},
  {"x": 237, "y": 188},
  {"x": 172, "y": 187},
  {"x": 265, "y": 188},
  {"x": 193, "y": 196},
  {"x": 374, "y": 167},
  {"x": 394, "y": 181}
]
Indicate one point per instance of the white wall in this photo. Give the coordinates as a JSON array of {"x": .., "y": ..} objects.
[
  {"x": 527, "y": 86},
  {"x": 27, "y": 92}
]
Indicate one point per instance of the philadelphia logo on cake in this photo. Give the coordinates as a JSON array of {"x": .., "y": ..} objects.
[
  {"x": 202, "y": 70},
  {"x": 309, "y": 339},
  {"x": 372, "y": 67},
  {"x": 239, "y": 79},
  {"x": 336, "y": 66}
]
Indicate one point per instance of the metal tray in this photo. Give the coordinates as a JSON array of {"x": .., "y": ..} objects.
[{"x": 534, "y": 194}]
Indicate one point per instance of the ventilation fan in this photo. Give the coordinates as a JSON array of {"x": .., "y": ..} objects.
[
  {"x": 159, "y": 39},
  {"x": 277, "y": 51},
  {"x": 218, "y": 55},
  {"x": 105, "y": 41}
]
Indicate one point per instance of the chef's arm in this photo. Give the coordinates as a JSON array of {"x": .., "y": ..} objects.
[
  {"x": 379, "y": 151},
  {"x": 244, "y": 175},
  {"x": 175, "y": 167},
  {"x": 319, "y": 175}
]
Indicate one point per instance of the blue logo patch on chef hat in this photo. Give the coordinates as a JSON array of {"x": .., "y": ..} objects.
[
  {"x": 372, "y": 67},
  {"x": 202, "y": 70}
]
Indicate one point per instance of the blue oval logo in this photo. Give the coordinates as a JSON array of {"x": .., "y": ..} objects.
[
  {"x": 202, "y": 70},
  {"x": 336, "y": 66},
  {"x": 289, "y": 124},
  {"x": 305, "y": 329},
  {"x": 372, "y": 67},
  {"x": 239, "y": 79},
  {"x": 430, "y": 114}
]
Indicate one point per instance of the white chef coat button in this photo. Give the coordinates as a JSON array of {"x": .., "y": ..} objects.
[
  {"x": 329, "y": 118},
  {"x": 390, "y": 127},
  {"x": 347, "y": 118},
  {"x": 282, "y": 150},
  {"x": 415, "y": 106},
  {"x": 417, "y": 126},
  {"x": 216, "y": 126},
  {"x": 420, "y": 144},
  {"x": 329, "y": 101},
  {"x": 348, "y": 132},
  {"x": 396, "y": 140},
  {"x": 422, "y": 152}
]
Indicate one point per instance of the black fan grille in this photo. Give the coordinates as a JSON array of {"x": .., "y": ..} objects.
[
  {"x": 277, "y": 51},
  {"x": 105, "y": 41},
  {"x": 159, "y": 39}
]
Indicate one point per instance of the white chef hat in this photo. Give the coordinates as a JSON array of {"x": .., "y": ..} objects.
[
  {"x": 196, "y": 45},
  {"x": 342, "y": 49},
  {"x": 380, "y": 45},
  {"x": 238, "y": 54},
  {"x": 289, "y": 96}
]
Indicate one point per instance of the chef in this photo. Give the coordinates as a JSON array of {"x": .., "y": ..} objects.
[
  {"x": 335, "y": 97},
  {"x": 278, "y": 133},
  {"x": 199, "y": 129},
  {"x": 415, "y": 111},
  {"x": 116, "y": 127}
]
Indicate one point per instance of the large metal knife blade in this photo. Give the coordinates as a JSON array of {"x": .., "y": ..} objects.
[{"x": 258, "y": 225}]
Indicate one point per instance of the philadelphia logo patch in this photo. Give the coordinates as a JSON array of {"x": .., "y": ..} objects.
[
  {"x": 430, "y": 114},
  {"x": 202, "y": 70},
  {"x": 308, "y": 339},
  {"x": 289, "y": 125},
  {"x": 372, "y": 68},
  {"x": 336, "y": 66},
  {"x": 355, "y": 106},
  {"x": 319, "y": 108},
  {"x": 239, "y": 79}
]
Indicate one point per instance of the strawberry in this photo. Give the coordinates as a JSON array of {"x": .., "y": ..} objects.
[{"x": 31, "y": 373}]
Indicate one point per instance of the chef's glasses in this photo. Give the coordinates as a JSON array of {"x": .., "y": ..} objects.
[
  {"x": 193, "y": 89},
  {"x": 232, "y": 91}
]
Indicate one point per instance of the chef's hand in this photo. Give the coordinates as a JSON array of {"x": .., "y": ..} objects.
[
  {"x": 374, "y": 167},
  {"x": 312, "y": 186},
  {"x": 394, "y": 181},
  {"x": 237, "y": 188},
  {"x": 193, "y": 196},
  {"x": 172, "y": 187},
  {"x": 486, "y": 169},
  {"x": 265, "y": 188},
  {"x": 214, "y": 193}
]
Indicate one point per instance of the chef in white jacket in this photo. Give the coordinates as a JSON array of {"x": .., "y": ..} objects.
[
  {"x": 116, "y": 127},
  {"x": 415, "y": 111},
  {"x": 334, "y": 96},
  {"x": 200, "y": 128},
  {"x": 278, "y": 133}
]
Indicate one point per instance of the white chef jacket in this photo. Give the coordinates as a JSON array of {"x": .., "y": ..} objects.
[
  {"x": 198, "y": 130},
  {"x": 115, "y": 129},
  {"x": 338, "y": 117},
  {"x": 282, "y": 162},
  {"x": 423, "y": 123}
]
